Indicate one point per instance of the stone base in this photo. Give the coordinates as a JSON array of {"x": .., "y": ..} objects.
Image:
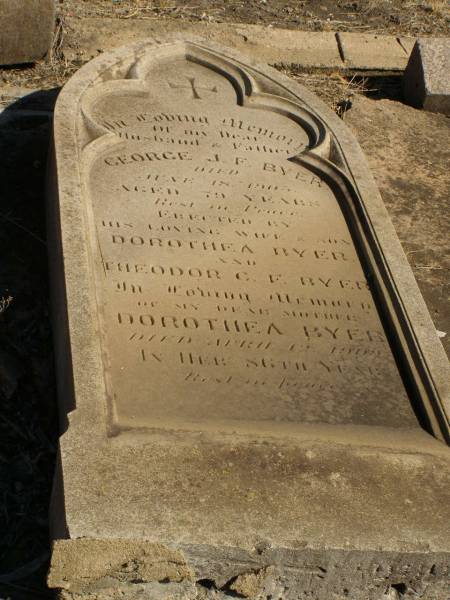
[
  {"x": 188, "y": 516},
  {"x": 123, "y": 570}
]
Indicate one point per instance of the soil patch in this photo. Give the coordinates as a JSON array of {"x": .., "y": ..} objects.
[{"x": 408, "y": 152}]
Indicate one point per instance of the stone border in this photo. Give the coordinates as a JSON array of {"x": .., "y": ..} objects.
[{"x": 327, "y": 50}]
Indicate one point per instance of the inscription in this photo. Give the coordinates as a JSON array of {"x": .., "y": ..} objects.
[
  {"x": 139, "y": 157},
  {"x": 208, "y": 324},
  {"x": 229, "y": 282}
]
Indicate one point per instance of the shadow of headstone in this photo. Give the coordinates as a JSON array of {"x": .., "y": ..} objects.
[{"x": 28, "y": 424}]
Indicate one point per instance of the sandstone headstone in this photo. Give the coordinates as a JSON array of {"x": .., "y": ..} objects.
[
  {"x": 26, "y": 30},
  {"x": 426, "y": 81},
  {"x": 251, "y": 387}
]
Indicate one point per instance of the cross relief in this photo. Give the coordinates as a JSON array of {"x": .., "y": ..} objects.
[{"x": 193, "y": 88}]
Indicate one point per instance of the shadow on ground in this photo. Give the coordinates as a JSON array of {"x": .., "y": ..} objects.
[{"x": 28, "y": 423}]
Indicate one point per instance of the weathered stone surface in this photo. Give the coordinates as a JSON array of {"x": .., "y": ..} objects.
[
  {"x": 246, "y": 366},
  {"x": 426, "y": 81},
  {"x": 372, "y": 51},
  {"x": 407, "y": 43},
  {"x": 27, "y": 30}
]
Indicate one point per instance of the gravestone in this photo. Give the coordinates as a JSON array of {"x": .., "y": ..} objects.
[
  {"x": 27, "y": 30},
  {"x": 254, "y": 401}
]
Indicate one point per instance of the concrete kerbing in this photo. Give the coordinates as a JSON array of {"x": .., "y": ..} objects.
[
  {"x": 374, "y": 52},
  {"x": 272, "y": 45},
  {"x": 328, "y": 50},
  {"x": 290, "y": 47}
]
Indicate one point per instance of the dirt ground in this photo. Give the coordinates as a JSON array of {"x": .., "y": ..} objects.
[
  {"x": 382, "y": 16},
  {"x": 410, "y": 165},
  {"x": 408, "y": 152}
]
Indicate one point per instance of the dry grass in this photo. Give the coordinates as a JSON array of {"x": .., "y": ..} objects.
[
  {"x": 4, "y": 303},
  {"x": 334, "y": 89},
  {"x": 382, "y": 16},
  {"x": 440, "y": 7}
]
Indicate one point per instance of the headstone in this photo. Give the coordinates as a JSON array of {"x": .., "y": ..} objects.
[
  {"x": 253, "y": 397},
  {"x": 426, "y": 81},
  {"x": 26, "y": 30}
]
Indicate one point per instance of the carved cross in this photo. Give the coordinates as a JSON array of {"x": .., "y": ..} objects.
[{"x": 194, "y": 89}]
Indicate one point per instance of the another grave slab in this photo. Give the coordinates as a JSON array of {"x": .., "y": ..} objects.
[
  {"x": 253, "y": 398},
  {"x": 27, "y": 30},
  {"x": 426, "y": 81}
]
